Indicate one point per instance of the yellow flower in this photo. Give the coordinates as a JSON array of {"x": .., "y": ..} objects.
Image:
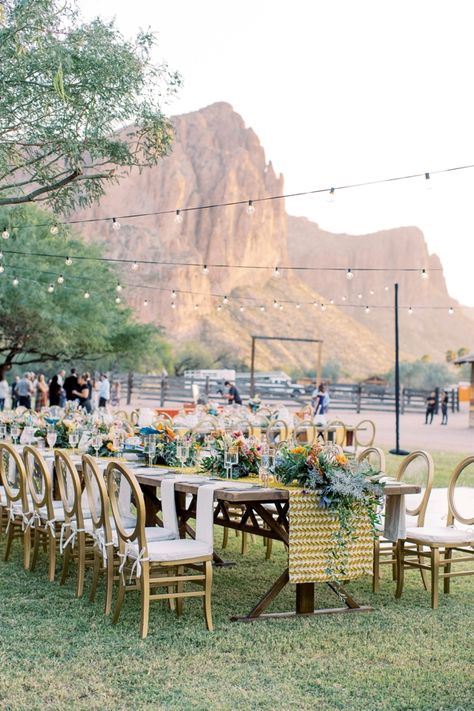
[
  {"x": 111, "y": 447},
  {"x": 341, "y": 459},
  {"x": 298, "y": 450}
]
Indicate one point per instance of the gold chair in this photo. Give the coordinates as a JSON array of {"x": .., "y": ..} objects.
[
  {"x": 416, "y": 468},
  {"x": 277, "y": 432},
  {"x": 336, "y": 431},
  {"x": 442, "y": 541},
  {"x": 364, "y": 434},
  {"x": 306, "y": 433},
  {"x": 48, "y": 515},
  {"x": 143, "y": 560},
  {"x": 17, "y": 506},
  {"x": 374, "y": 456},
  {"x": 77, "y": 540}
]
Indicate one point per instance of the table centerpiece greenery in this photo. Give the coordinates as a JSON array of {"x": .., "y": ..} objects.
[{"x": 249, "y": 455}]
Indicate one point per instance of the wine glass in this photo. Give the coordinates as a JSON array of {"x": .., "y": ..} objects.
[
  {"x": 51, "y": 437},
  {"x": 96, "y": 443},
  {"x": 182, "y": 452},
  {"x": 150, "y": 448},
  {"x": 15, "y": 433},
  {"x": 231, "y": 458},
  {"x": 267, "y": 462},
  {"x": 3, "y": 431},
  {"x": 73, "y": 440}
]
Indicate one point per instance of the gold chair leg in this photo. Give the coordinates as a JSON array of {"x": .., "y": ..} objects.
[
  {"x": 36, "y": 544},
  {"x": 81, "y": 563},
  {"x": 109, "y": 582},
  {"x": 207, "y": 595},
  {"x": 400, "y": 555},
  {"x": 434, "y": 577},
  {"x": 448, "y": 554},
  {"x": 423, "y": 572},
  {"x": 225, "y": 538},
  {"x": 145, "y": 599},
  {"x": 179, "y": 589},
  {"x": 66, "y": 561},
  {"x": 244, "y": 548},
  {"x": 9, "y": 542},
  {"x": 376, "y": 567},
  {"x": 95, "y": 576},
  {"x": 119, "y": 601},
  {"x": 26, "y": 548},
  {"x": 51, "y": 557},
  {"x": 394, "y": 561},
  {"x": 269, "y": 547}
]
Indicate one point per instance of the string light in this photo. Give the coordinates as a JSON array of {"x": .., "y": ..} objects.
[
  {"x": 1, "y": 255},
  {"x": 298, "y": 306},
  {"x": 196, "y": 307},
  {"x": 60, "y": 279},
  {"x": 118, "y": 287},
  {"x": 250, "y": 208},
  {"x": 179, "y": 217},
  {"x": 225, "y": 300},
  {"x": 118, "y": 300},
  {"x": 68, "y": 261},
  {"x": 54, "y": 229},
  {"x": 262, "y": 308},
  {"x": 331, "y": 195},
  {"x": 86, "y": 295},
  {"x": 205, "y": 270},
  {"x": 173, "y": 305},
  {"x": 385, "y": 288},
  {"x": 219, "y": 308},
  {"x": 134, "y": 267},
  {"x": 428, "y": 181},
  {"x": 344, "y": 298},
  {"x": 5, "y": 233},
  {"x": 331, "y": 301},
  {"x": 371, "y": 292},
  {"x": 242, "y": 309},
  {"x": 50, "y": 288},
  {"x": 410, "y": 311},
  {"x": 424, "y": 274},
  {"x": 281, "y": 307},
  {"x": 173, "y": 295},
  {"x": 367, "y": 310},
  {"x": 450, "y": 311},
  {"x": 275, "y": 304},
  {"x": 145, "y": 302},
  {"x": 2, "y": 268},
  {"x": 349, "y": 274},
  {"x": 15, "y": 281},
  {"x": 115, "y": 224},
  {"x": 276, "y": 273},
  {"x": 359, "y": 296},
  {"x": 315, "y": 303},
  {"x": 323, "y": 307}
]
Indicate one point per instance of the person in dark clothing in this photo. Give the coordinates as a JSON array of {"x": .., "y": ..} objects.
[
  {"x": 430, "y": 408},
  {"x": 54, "y": 391},
  {"x": 82, "y": 394},
  {"x": 444, "y": 409},
  {"x": 71, "y": 384},
  {"x": 233, "y": 395}
]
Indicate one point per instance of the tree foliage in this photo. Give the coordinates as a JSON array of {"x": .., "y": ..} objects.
[
  {"x": 79, "y": 104},
  {"x": 39, "y": 326},
  {"x": 423, "y": 374}
]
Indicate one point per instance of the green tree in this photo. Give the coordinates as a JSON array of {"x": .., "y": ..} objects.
[
  {"x": 193, "y": 356},
  {"x": 462, "y": 352},
  {"x": 79, "y": 104},
  {"x": 450, "y": 356},
  {"x": 423, "y": 374},
  {"x": 57, "y": 312}
]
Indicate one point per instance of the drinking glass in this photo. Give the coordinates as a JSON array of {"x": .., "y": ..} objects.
[
  {"x": 73, "y": 440},
  {"x": 182, "y": 452},
  {"x": 96, "y": 443},
  {"x": 150, "y": 448},
  {"x": 3, "y": 431},
  {"x": 15, "y": 433},
  {"x": 51, "y": 437},
  {"x": 231, "y": 459}
]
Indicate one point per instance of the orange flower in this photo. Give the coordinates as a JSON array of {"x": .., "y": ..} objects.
[
  {"x": 111, "y": 447},
  {"x": 298, "y": 450},
  {"x": 170, "y": 433},
  {"x": 341, "y": 459}
]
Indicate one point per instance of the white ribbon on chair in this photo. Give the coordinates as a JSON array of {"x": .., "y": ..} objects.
[
  {"x": 34, "y": 517},
  {"x": 71, "y": 538},
  {"x": 137, "y": 561},
  {"x": 99, "y": 541},
  {"x": 13, "y": 514}
]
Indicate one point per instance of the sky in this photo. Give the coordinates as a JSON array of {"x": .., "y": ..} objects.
[{"x": 339, "y": 92}]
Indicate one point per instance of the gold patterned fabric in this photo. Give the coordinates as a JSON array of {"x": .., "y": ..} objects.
[{"x": 312, "y": 540}]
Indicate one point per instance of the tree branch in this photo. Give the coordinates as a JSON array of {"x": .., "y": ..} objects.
[{"x": 40, "y": 191}]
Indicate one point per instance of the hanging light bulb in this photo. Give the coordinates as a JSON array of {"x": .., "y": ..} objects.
[
  {"x": 173, "y": 305},
  {"x": 250, "y": 208},
  {"x": 262, "y": 308},
  {"x": 281, "y": 307},
  {"x": 219, "y": 308},
  {"x": 315, "y": 303},
  {"x": 225, "y": 300},
  {"x": 60, "y": 279},
  {"x": 424, "y": 274},
  {"x": 344, "y": 298},
  {"x": 118, "y": 287},
  {"x": 15, "y": 281},
  {"x": 349, "y": 274},
  {"x": 371, "y": 292},
  {"x": 86, "y": 295},
  {"x": 276, "y": 273},
  {"x": 54, "y": 229},
  {"x": 115, "y": 224},
  {"x": 2, "y": 268},
  {"x": 134, "y": 267},
  {"x": 242, "y": 309},
  {"x": 331, "y": 195},
  {"x": 385, "y": 288},
  {"x": 205, "y": 270},
  {"x": 5, "y": 233},
  {"x": 145, "y": 302},
  {"x": 331, "y": 301},
  {"x": 367, "y": 309},
  {"x": 68, "y": 261},
  {"x": 323, "y": 307},
  {"x": 450, "y": 311},
  {"x": 173, "y": 295},
  {"x": 428, "y": 183},
  {"x": 410, "y": 310},
  {"x": 179, "y": 217},
  {"x": 196, "y": 306},
  {"x": 298, "y": 306},
  {"x": 50, "y": 288},
  {"x": 118, "y": 300},
  {"x": 359, "y": 296},
  {"x": 275, "y": 304}
]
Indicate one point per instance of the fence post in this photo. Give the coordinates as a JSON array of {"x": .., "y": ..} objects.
[
  {"x": 359, "y": 397},
  {"x": 129, "y": 387},
  {"x": 162, "y": 389}
]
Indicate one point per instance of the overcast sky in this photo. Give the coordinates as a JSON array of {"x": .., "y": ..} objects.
[{"x": 338, "y": 92}]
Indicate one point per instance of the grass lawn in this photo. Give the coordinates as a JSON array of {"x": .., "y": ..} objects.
[
  {"x": 444, "y": 465},
  {"x": 58, "y": 652}
]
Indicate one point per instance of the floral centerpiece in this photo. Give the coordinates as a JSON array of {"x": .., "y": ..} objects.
[
  {"x": 166, "y": 446},
  {"x": 347, "y": 490},
  {"x": 249, "y": 455}
]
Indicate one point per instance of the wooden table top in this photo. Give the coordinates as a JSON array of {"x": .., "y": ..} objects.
[{"x": 256, "y": 493}]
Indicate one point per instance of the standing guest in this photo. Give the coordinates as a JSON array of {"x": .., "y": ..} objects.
[
  {"x": 104, "y": 390},
  {"x": 115, "y": 393},
  {"x": 88, "y": 379},
  {"x": 61, "y": 376},
  {"x": 444, "y": 408},
  {"x": 4, "y": 392},
  {"x": 95, "y": 393},
  {"x": 82, "y": 393},
  {"x": 70, "y": 384},
  {"x": 55, "y": 391},
  {"x": 322, "y": 401},
  {"x": 14, "y": 395},
  {"x": 233, "y": 395},
  {"x": 430, "y": 408},
  {"x": 42, "y": 392},
  {"x": 24, "y": 391},
  {"x": 62, "y": 396}
]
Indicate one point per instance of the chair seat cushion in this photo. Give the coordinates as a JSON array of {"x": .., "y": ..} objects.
[
  {"x": 441, "y": 535},
  {"x": 152, "y": 533},
  {"x": 180, "y": 549}
]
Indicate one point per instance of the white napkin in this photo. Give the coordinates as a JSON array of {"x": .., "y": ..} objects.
[{"x": 395, "y": 526}]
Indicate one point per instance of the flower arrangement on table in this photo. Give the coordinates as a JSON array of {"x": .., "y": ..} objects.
[
  {"x": 249, "y": 455},
  {"x": 166, "y": 441},
  {"x": 349, "y": 491}
]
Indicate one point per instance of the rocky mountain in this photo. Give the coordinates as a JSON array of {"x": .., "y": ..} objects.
[{"x": 216, "y": 159}]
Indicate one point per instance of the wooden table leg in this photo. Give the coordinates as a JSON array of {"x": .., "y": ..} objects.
[{"x": 304, "y": 598}]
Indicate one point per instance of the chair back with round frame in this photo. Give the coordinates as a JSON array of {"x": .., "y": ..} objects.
[
  {"x": 417, "y": 468},
  {"x": 374, "y": 456},
  {"x": 461, "y": 478},
  {"x": 13, "y": 479},
  {"x": 336, "y": 430},
  {"x": 364, "y": 434},
  {"x": 277, "y": 431},
  {"x": 306, "y": 433}
]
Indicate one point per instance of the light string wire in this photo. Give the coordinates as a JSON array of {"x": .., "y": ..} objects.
[{"x": 249, "y": 202}]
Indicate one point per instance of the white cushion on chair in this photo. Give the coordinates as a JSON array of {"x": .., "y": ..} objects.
[
  {"x": 152, "y": 533},
  {"x": 440, "y": 535},
  {"x": 180, "y": 549}
]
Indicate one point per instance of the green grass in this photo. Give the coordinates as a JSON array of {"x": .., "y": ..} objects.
[
  {"x": 58, "y": 652},
  {"x": 444, "y": 465}
]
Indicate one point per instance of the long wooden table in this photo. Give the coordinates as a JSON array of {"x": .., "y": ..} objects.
[{"x": 244, "y": 510}]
